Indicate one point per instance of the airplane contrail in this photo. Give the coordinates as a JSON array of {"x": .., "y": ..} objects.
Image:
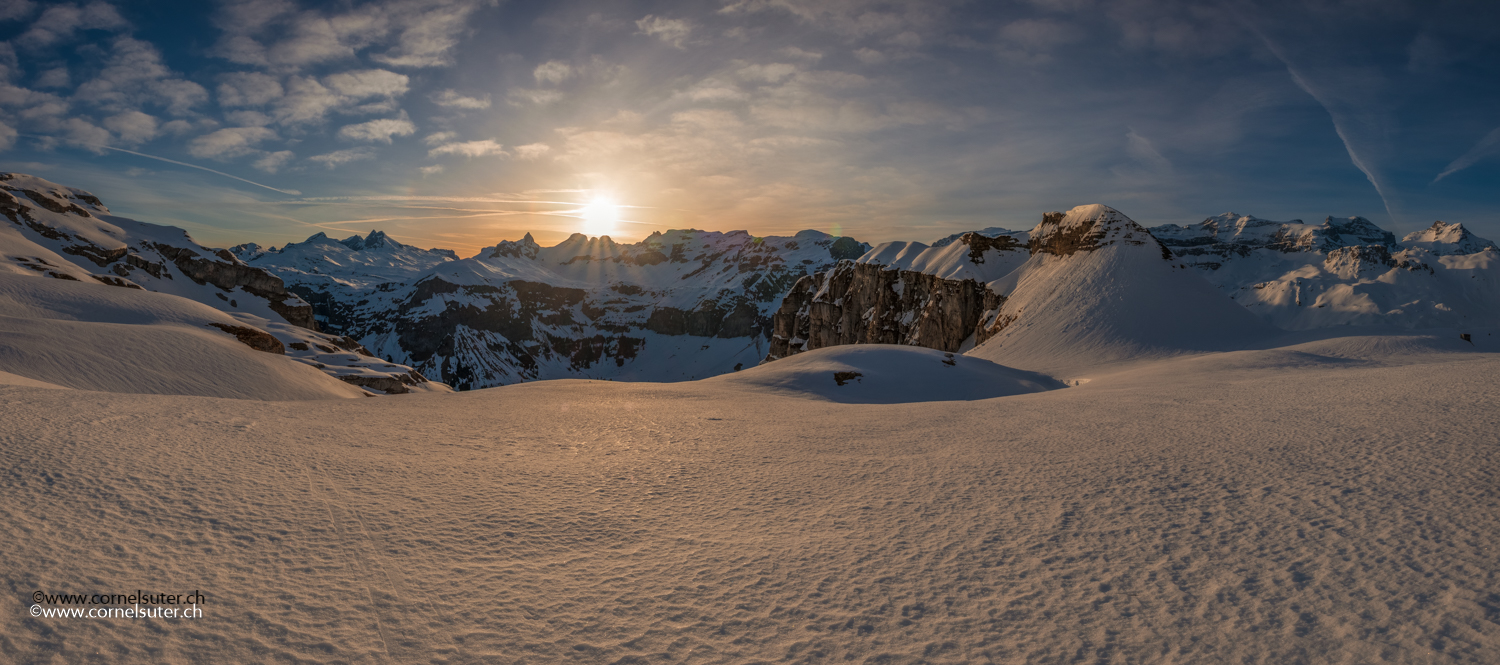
[
  {"x": 1490, "y": 143},
  {"x": 1338, "y": 127},
  {"x": 288, "y": 192}
]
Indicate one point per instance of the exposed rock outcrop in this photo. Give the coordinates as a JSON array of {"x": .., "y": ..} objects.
[
  {"x": 863, "y": 303},
  {"x": 229, "y": 272},
  {"x": 255, "y": 339}
]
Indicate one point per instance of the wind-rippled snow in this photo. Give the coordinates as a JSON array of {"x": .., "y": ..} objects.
[{"x": 1332, "y": 501}]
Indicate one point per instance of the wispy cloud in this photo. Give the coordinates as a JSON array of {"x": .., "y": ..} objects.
[
  {"x": 669, "y": 30},
  {"x": 471, "y": 149},
  {"x": 341, "y": 157}
]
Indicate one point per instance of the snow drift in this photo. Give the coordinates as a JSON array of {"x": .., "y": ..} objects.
[
  {"x": 888, "y": 374},
  {"x": 94, "y": 337}
]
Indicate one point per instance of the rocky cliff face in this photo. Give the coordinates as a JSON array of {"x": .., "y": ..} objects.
[
  {"x": 933, "y": 297},
  {"x": 864, "y": 303}
]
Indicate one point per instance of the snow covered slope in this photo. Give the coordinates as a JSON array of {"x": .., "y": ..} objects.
[
  {"x": 1312, "y": 504},
  {"x": 94, "y": 337},
  {"x": 1345, "y": 271},
  {"x": 1099, "y": 288},
  {"x": 63, "y": 233},
  {"x": 678, "y": 305},
  {"x": 67, "y": 233},
  {"x": 969, "y": 256}
]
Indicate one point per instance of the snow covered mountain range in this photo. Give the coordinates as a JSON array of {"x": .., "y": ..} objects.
[
  {"x": 959, "y": 293},
  {"x": 1086, "y": 284},
  {"x": 677, "y": 305}
]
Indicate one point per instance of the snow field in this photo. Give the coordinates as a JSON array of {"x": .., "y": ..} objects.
[{"x": 1332, "y": 502}]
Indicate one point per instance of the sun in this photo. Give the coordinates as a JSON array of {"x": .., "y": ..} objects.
[{"x": 600, "y": 217}]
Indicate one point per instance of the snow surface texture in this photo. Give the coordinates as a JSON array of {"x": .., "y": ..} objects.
[
  {"x": 96, "y": 337},
  {"x": 1330, "y": 501}
]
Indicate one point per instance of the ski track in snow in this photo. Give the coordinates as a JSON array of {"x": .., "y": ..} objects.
[{"x": 1260, "y": 507}]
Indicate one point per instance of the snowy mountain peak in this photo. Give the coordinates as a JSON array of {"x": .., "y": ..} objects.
[
  {"x": 376, "y": 240},
  {"x": 525, "y": 248},
  {"x": 1443, "y": 239},
  {"x": 1358, "y": 231},
  {"x": 49, "y": 195},
  {"x": 1087, "y": 228}
]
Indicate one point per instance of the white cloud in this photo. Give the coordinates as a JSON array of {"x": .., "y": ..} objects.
[
  {"x": 339, "y": 157},
  {"x": 277, "y": 34},
  {"x": 7, "y": 136},
  {"x": 553, "y": 71},
  {"x": 59, "y": 23},
  {"x": 440, "y": 137},
  {"x": 177, "y": 127},
  {"x": 366, "y": 83},
  {"x": 870, "y": 56},
  {"x": 670, "y": 30},
  {"x": 532, "y": 151},
  {"x": 135, "y": 76},
  {"x": 771, "y": 73},
  {"x": 248, "y": 89},
  {"x": 518, "y": 96},
  {"x": 57, "y": 77},
  {"x": 431, "y": 170},
  {"x": 230, "y": 142},
  {"x": 429, "y": 33},
  {"x": 379, "y": 131},
  {"x": 306, "y": 101},
  {"x": 273, "y": 161},
  {"x": 83, "y": 131},
  {"x": 469, "y": 149},
  {"x": 452, "y": 98},
  {"x": 16, "y": 9},
  {"x": 133, "y": 127}
]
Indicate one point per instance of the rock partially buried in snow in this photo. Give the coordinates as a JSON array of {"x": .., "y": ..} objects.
[{"x": 889, "y": 374}]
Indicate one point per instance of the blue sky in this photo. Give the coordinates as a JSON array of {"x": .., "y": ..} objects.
[{"x": 457, "y": 123}]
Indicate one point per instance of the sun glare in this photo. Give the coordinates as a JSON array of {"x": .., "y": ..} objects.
[{"x": 600, "y": 217}]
